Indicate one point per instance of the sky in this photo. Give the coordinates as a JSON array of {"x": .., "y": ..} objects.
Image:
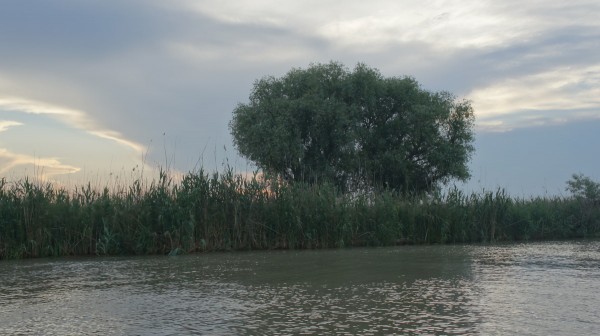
[{"x": 97, "y": 91}]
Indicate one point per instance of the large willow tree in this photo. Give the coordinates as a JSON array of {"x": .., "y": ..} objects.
[{"x": 357, "y": 129}]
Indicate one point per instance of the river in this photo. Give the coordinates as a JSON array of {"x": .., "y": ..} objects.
[{"x": 550, "y": 288}]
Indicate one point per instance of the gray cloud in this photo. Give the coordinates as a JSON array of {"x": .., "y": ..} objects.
[
  {"x": 78, "y": 30},
  {"x": 142, "y": 69}
]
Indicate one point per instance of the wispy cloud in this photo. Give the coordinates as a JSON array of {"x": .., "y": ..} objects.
[
  {"x": 453, "y": 24},
  {"x": 45, "y": 166},
  {"x": 574, "y": 91},
  {"x": 72, "y": 117},
  {"x": 448, "y": 25},
  {"x": 6, "y": 124}
]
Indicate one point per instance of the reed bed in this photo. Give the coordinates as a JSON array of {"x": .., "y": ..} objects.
[{"x": 210, "y": 212}]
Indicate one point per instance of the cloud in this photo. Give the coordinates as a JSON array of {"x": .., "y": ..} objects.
[
  {"x": 75, "y": 118},
  {"x": 78, "y": 30},
  {"x": 555, "y": 96},
  {"x": 45, "y": 166},
  {"x": 80, "y": 149},
  {"x": 244, "y": 51},
  {"x": 6, "y": 124},
  {"x": 131, "y": 71},
  {"x": 455, "y": 24},
  {"x": 444, "y": 27}
]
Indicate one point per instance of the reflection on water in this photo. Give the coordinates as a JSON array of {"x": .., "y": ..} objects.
[{"x": 525, "y": 289}]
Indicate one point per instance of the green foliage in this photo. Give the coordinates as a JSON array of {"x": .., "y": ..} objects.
[
  {"x": 356, "y": 129},
  {"x": 587, "y": 193},
  {"x": 583, "y": 187},
  {"x": 227, "y": 212}
]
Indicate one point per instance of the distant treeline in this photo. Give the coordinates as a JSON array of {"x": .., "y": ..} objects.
[{"x": 207, "y": 212}]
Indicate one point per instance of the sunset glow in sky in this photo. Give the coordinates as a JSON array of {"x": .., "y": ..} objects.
[{"x": 95, "y": 89}]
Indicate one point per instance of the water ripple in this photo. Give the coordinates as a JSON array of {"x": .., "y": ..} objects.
[{"x": 525, "y": 289}]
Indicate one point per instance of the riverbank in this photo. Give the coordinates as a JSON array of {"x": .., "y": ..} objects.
[{"x": 227, "y": 212}]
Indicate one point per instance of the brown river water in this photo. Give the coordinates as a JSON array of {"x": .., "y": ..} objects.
[{"x": 550, "y": 288}]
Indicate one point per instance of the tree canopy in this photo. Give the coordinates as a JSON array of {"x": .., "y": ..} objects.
[
  {"x": 356, "y": 129},
  {"x": 584, "y": 188}
]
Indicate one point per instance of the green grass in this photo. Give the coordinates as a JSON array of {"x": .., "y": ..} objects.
[{"x": 227, "y": 212}]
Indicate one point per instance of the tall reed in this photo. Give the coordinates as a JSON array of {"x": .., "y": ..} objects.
[{"x": 224, "y": 211}]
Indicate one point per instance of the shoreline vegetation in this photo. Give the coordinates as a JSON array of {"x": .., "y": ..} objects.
[{"x": 222, "y": 212}]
